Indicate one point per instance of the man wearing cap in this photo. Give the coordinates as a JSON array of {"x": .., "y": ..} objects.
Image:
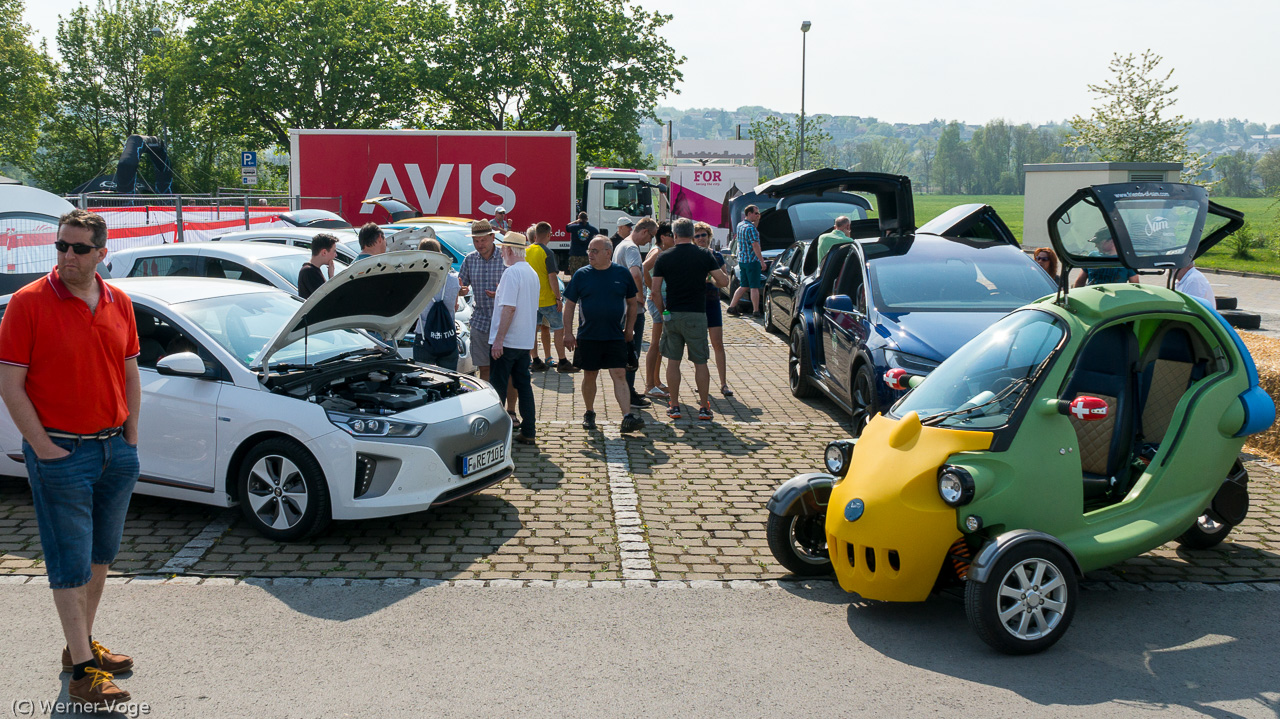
[
  {"x": 1105, "y": 246},
  {"x": 69, "y": 378},
  {"x": 580, "y": 233},
  {"x": 512, "y": 333},
  {"x": 481, "y": 271},
  {"x": 500, "y": 223},
  {"x": 624, "y": 231}
]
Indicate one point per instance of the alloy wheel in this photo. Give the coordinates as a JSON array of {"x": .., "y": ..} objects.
[
  {"x": 1032, "y": 599},
  {"x": 277, "y": 492}
]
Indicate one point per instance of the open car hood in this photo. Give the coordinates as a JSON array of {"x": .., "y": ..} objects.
[
  {"x": 1155, "y": 225},
  {"x": 385, "y": 293},
  {"x": 396, "y": 208},
  {"x": 894, "y": 204}
]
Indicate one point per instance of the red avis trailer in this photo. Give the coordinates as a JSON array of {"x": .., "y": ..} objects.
[{"x": 456, "y": 173}]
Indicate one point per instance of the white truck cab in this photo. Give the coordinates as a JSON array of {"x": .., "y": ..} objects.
[{"x": 610, "y": 194}]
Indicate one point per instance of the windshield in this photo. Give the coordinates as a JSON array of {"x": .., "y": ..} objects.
[
  {"x": 825, "y": 213},
  {"x": 947, "y": 276},
  {"x": 457, "y": 238},
  {"x": 243, "y": 324},
  {"x": 979, "y": 386},
  {"x": 288, "y": 266}
]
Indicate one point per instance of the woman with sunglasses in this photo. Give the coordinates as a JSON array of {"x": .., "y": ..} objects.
[
  {"x": 715, "y": 320},
  {"x": 1047, "y": 260}
]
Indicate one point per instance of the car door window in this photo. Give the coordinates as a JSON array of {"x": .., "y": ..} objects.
[
  {"x": 850, "y": 282},
  {"x": 218, "y": 267},
  {"x": 797, "y": 260},
  {"x": 159, "y": 337},
  {"x": 165, "y": 266}
]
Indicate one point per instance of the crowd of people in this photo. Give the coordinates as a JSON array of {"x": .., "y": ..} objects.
[{"x": 665, "y": 274}]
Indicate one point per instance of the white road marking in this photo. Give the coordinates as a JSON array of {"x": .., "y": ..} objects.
[
  {"x": 195, "y": 550},
  {"x": 633, "y": 548}
]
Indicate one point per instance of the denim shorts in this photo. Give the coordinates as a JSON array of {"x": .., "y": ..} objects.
[
  {"x": 551, "y": 316},
  {"x": 80, "y": 502}
]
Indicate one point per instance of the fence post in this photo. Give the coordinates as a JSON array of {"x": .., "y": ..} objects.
[
  {"x": 246, "y": 212},
  {"x": 178, "y": 235},
  {"x": 84, "y": 201}
]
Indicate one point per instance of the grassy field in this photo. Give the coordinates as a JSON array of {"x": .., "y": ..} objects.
[{"x": 1262, "y": 213}]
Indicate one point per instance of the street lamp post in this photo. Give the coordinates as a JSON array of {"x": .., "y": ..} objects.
[
  {"x": 164, "y": 92},
  {"x": 804, "y": 34}
]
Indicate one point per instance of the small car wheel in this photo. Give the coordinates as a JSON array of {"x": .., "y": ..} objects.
[
  {"x": 283, "y": 493},
  {"x": 1204, "y": 533},
  {"x": 1027, "y": 602},
  {"x": 799, "y": 543},
  {"x": 798, "y": 366},
  {"x": 863, "y": 399}
]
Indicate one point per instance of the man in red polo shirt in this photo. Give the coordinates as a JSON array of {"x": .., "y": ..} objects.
[{"x": 69, "y": 376}]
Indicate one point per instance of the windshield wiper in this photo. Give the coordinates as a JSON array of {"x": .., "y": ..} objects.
[
  {"x": 351, "y": 353},
  {"x": 1019, "y": 385}
]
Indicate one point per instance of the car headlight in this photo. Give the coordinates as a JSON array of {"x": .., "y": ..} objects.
[
  {"x": 911, "y": 363},
  {"x": 360, "y": 425},
  {"x": 837, "y": 456},
  {"x": 955, "y": 486}
]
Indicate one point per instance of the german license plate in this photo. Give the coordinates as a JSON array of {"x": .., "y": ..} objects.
[{"x": 484, "y": 458}]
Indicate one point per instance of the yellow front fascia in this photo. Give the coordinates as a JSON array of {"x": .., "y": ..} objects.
[{"x": 894, "y": 471}]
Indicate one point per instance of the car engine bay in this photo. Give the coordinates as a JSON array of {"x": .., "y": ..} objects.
[{"x": 376, "y": 388}]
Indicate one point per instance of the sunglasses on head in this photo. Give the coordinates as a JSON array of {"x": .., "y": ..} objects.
[{"x": 80, "y": 248}]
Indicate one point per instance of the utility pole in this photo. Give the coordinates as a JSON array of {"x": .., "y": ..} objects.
[{"x": 804, "y": 34}]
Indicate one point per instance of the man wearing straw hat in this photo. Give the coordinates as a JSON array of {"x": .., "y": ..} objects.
[
  {"x": 511, "y": 335},
  {"x": 480, "y": 271}
]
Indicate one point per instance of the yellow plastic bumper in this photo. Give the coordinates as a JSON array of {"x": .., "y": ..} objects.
[{"x": 896, "y": 542}]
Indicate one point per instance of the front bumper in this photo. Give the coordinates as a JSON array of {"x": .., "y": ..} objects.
[
  {"x": 888, "y": 531},
  {"x": 412, "y": 475}
]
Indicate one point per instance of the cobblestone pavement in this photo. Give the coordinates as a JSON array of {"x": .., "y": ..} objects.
[{"x": 698, "y": 490}]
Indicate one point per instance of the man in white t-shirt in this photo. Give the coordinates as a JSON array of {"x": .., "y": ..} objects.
[
  {"x": 1191, "y": 281},
  {"x": 511, "y": 335}
]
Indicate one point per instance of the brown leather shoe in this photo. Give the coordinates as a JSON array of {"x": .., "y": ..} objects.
[
  {"x": 107, "y": 662},
  {"x": 97, "y": 690}
]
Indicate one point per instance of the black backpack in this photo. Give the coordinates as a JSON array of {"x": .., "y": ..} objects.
[{"x": 439, "y": 336}]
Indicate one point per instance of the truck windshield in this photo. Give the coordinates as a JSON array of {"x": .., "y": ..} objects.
[
  {"x": 979, "y": 386},
  {"x": 622, "y": 196}
]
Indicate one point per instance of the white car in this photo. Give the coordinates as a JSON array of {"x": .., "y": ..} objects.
[
  {"x": 250, "y": 395},
  {"x": 268, "y": 264},
  {"x": 348, "y": 245}
]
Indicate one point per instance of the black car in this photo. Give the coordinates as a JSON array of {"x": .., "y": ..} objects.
[{"x": 783, "y": 221}]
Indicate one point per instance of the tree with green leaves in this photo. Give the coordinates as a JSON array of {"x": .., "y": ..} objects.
[
  {"x": 1235, "y": 171},
  {"x": 953, "y": 163},
  {"x": 1268, "y": 169},
  {"x": 597, "y": 67},
  {"x": 26, "y": 75},
  {"x": 1132, "y": 122},
  {"x": 264, "y": 66},
  {"x": 778, "y": 145},
  {"x": 881, "y": 154}
]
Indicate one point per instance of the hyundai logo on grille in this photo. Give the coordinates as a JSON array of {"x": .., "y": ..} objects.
[
  {"x": 479, "y": 427},
  {"x": 853, "y": 510}
]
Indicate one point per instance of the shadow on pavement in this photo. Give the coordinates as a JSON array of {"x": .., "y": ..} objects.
[{"x": 1159, "y": 650}]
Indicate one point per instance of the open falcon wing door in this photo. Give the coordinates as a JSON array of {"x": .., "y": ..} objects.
[{"x": 1138, "y": 225}]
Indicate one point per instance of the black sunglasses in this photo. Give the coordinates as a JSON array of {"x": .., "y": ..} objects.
[
  {"x": 80, "y": 248},
  {"x": 700, "y": 234}
]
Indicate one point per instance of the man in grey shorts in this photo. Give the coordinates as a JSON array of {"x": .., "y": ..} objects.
[{"x": 685, "y": 269}]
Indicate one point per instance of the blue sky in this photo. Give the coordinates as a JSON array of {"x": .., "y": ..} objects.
[{"x": 914, "y": 60}]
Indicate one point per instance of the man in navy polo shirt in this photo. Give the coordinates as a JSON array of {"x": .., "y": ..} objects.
[{"x": 608, "y": 296}]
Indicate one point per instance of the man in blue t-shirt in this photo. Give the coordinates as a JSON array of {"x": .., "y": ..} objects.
[
  {"x": 580, "y": 234},
  {"x": 607, "y": 293}
]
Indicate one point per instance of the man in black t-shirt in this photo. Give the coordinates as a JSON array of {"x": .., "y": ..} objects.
[
  {"x": 580, "y": 233},
  {"x": 685, "y": 269},
  {"x": 608, "y": 296},
  {"x": 323, "y": 251}
]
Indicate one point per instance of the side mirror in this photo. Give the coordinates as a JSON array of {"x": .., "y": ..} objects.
[
  {"x": 896, "y": 379},
  {"x": 184, "y": 364},
  {"x": 645, "y": 195},
  {"x": 840, "y": 303},
  {"x": 1085, "y": 408}
]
